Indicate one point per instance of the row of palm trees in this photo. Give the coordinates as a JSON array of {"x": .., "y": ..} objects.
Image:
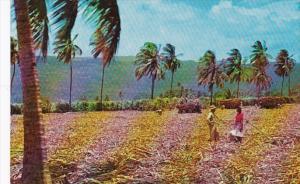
[{"x": 151, "y": 63}]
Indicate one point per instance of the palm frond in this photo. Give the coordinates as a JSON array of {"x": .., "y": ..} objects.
[
  {"x": 39, "y": 24},
  {"x": 64, "y": 17},
  {"x": 105, "y": 16}
]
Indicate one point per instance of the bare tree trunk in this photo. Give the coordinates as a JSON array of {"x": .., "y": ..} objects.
[
  {"x": 12, "y": 77},
  {"x": 238, "y": 90},
  {"x": 172, "y": 82},
  {"x": 152, "y": 87},
  {"x": 71, "y": 83},
  {"x": 35, "y": 170},
  {"x": 282, "y": 85},
  {"x": 289, "y": 85},
  {"x": 101, "y": 91},
  {"x": 258, "y": 92},
  {"x": 211, "y": 95}
]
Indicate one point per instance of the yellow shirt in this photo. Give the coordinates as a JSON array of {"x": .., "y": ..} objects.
[{"x": 211, "y": 118}]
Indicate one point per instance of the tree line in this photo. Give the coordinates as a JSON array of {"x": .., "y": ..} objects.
[{"x": 213, "y": 73}]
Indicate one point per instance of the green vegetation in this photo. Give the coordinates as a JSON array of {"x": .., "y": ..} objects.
[
  {"x": 148, "y": 62},
  {"x": 211, "y": 73}
]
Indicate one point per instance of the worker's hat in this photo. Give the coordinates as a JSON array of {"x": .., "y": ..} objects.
[{"x": 212, "y": 107}]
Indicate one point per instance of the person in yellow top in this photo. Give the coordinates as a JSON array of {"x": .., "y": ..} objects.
[{"x": 211, "y": 121}]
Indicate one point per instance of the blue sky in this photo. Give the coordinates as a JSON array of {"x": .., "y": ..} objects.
[{"x": 195, "y": 26}]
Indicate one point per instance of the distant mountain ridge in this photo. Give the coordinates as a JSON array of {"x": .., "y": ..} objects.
[{"x": 119, "y": 76}]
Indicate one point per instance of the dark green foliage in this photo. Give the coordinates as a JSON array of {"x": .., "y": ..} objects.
[
  {"x": 46, "y": 105},
  {"x": 61, "y": 107},
  {"x": 16, "y": 109}
]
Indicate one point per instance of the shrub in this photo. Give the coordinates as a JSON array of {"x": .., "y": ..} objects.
[
  {"x": 249, "y": 101},
  {"x": 16, "y": 109},
  {"x": 230, "y": 103},
  {"x": 271, "y": 102},
  {"x": 81, "y": 106},
  {"x": 61, "y": 107},
  {"x": 46, "y": 105}
]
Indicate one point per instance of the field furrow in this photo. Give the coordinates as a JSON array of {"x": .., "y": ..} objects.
[
  {"x": 207, "y": 170},
  {"x": 126, "y": 158},
  {"x": 183, "y": 161},
  {"x": 283, "y": 146},
  {"x": 240, "y": 167},
  {"x": 83, "y": 131},
  {"x": 113, "y": 135},
  {"x": 56, "y": 126},
  {"x": 174, "y": 136}
]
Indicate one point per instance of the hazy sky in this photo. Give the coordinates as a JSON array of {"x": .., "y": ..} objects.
[{"x": 195, "y": 26}]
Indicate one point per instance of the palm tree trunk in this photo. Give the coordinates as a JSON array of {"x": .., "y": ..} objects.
[
  {"x": 172, "y": 81},
  {"x": 152, "y": 87},
  {"x": 282, "y": 85},
  {"x": 289, "y": 85},
  {"x": 211, "y": 95},
  {"x": 71, "y": 82},
  {"x": 12, "y": 77},
  {"x": 101, "y": 91},
  {"x": 238, "y": 90},
  {"x": 35, "y": 168}
]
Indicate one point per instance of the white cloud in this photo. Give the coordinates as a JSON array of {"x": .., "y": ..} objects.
[{"x": 278, "y": 12}]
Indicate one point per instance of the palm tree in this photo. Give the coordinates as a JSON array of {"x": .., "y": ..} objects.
[
  {"x": 236, "y": 70},
  {"x": 210, "y": 73},
  {"x": 284, "y": 66},
  {"x": 66, "y": 50},
  {"x": 31, "y": 17},
  {"x": 32, "y": 32},
  {"x": 106, "y": 37},
  {"x": 171, "y": 61},
  {"x": 13, "y": 57},
  {"x": 148, "y": 62},
  {"x": 259, "y": 60}
]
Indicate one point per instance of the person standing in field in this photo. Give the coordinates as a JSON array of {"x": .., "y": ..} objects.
[
  {"x": 211, "y": 121},
  {"x": 238, "y": 132}
]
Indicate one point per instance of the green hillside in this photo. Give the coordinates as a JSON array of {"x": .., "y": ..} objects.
[{"x": 119, "y": 76}]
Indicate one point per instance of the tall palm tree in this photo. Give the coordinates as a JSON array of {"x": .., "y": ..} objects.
[
  {"x": 67, "y": 50},
  {"x": 259, "y": 60},
  {"x": 31, "y": 17},
  {"x": 284, "y": 66},
  {"x": 32, "y": 32},
  {"x": 148, "y": 62},
  {"x": 106, "y": 37},
  {"x": 236, "y": 70},
  {"x": 210, "y": 73},
  {"x": 13, "y": 57},
  {"x": 172, "y": 63}
]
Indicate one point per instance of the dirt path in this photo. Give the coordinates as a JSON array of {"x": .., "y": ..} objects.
[
  {"x": 114, "y": 134},
  {"x": 271, "y": 167},
  {"x": 209, "y": 168},
  {"x": 175, "y": 134}
]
